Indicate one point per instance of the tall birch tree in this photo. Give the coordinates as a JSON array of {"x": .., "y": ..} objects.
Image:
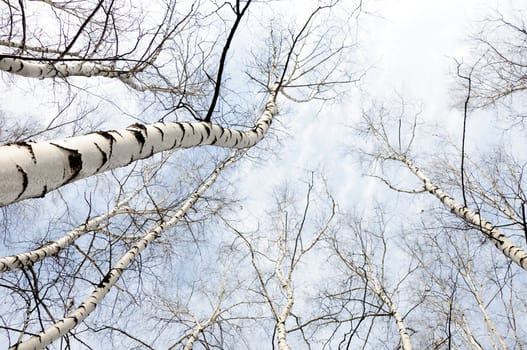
[
  {"x": 458, "y": 222},
  {"x": 163, "y": 76}
]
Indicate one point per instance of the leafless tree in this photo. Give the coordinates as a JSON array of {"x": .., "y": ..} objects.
[
  {"x": 499, "y": 59},
  {"x": 368, "y": 290},
  {"x": 280, "y": 262},
  {"x": 175, "y": 60},
  {"x": 396, "y": 147},
  {"x": 461, "y": 305}
]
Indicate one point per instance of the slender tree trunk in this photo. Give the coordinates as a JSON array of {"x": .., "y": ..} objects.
[
  {"x": 82, "y": 68},
  {"x": 462, "y": 323},
  {"x": 63, "y": 326},
  {"x": 285, "y": 283},
  {"x": 200, "y": 327},
  {"x": 502, "y": 242},
  {"x": 373, "y": 284},
  {"x": 22, "y": 260},
  {"x": 491, "y": 327}
]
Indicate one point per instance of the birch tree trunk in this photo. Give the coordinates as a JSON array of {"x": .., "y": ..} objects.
[
  {"x": 492, "y": 331},
  {"x": 58, "y": 70},
  {"x": 180, "y": 58},
  {"x": 288, "y": 250},
  {"x": 63, "y": 326},
  {"x": 52, "y": 248},
  {"x": 389, "y": 152},
  {"x": 372, "y": 283},
  {"x": 32, "y": 169},
  {"x": 500, "y": 240}
]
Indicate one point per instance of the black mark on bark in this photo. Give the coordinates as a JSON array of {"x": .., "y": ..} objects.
[
  {"x": 28, "y": 147},
  {"x": 182, "y": 133},
  {"x": 161, "y": 132},
  {"x": 137, "y": 130},
  {"x": 108, "y": 136},
  {"x": 192, "y": 127},
  {"x": 104, "y": 157},
  {"x": 181, "y": 127},
  {"x": 25, "y": 180},
  {"x": 239, "y": 137},
  {"x": 105, "y": 280},
  {"x": 44, "y": 191},
  {"x": 207, "y": 128},
  {"x": 140, "y": 127},
  {"x": 74, "y": 160}
]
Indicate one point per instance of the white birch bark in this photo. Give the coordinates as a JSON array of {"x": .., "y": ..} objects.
[
  {"x": 502, "y": 242},
  {"x": 194, "y": 336},
  {"x": 200, "y": 327},
  {"x": 462, "y": 323},
  {"x": 377, "y": 288},
  {"x": 281, "y": 331},
  {"x": 138, "y": 86},
  {"x": 22, "y": 260},
  {"x": 30, "y": 69},
  {"x": 83, "y": 69},
  {"x": 32, "y": 169},
  {"x": 491, "y": 327},
  {"x": 399, "y": 321},
  {"x": 39, "y": 49},
  {"x": 63, "y": 326}
]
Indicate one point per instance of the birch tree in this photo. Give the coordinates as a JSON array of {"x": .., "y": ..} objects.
[
  {"x": 470, "y": 298},
  {"x": 31, "y": 169},
  {"x": 460, "y": 188},
  {"x": 323, "y": 276},
  {"x": 397, "y": 148},
  {"x": 451, "y": 237},
  {"x": 104, "y": 245},
  {"x": 499, "y": 65},
  {"x": 61, "y": 327},
  {"x": 368, "y": 291},
  {"x": 63, "y": 282},
  {"x": 279, "y": 261}
]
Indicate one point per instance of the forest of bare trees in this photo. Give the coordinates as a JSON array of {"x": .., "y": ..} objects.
[{"x": 127, "y": 131}]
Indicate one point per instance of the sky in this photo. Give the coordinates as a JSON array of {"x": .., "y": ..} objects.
[{"x": 409, "y": 47}]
